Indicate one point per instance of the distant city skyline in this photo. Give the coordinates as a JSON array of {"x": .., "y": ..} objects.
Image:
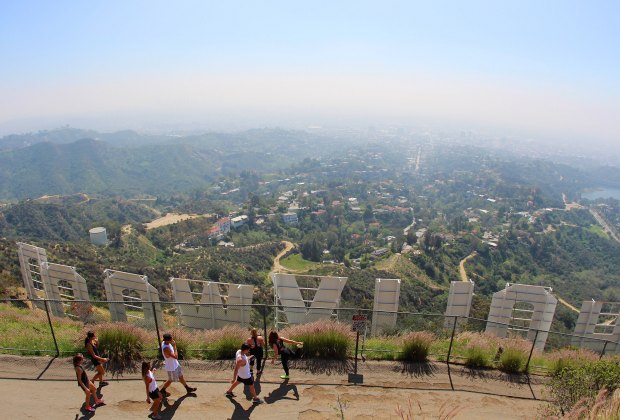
[{"x": 547, "y": 70}]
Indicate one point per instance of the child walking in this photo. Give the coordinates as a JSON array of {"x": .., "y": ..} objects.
[
  {"x": 92, "y": 348},
  {"x": 87, "y": 386},
  {"x": 152, "y": 392}
]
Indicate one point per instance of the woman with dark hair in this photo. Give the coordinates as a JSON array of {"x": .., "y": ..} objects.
[
  {"x": 152, "y": 392},
  {"x": 91, "y": 343},
  {"x": 256, "y": 343},
  {"x": 277, "y": 344},
  {"x": 83, "y": 382}
]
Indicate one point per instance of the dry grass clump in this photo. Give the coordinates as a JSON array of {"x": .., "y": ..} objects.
[
  {"x": 322, "y": 339},
  {"x": 416, "y": 346},
  {"x": 513, "y": 355},
  {"x": 563, "y": 358},
  {"x": 414, "y": 410},
  {"x": 121, "y": 343},
  {"x": 479, "y": 349},
  {"x": 222, "y": 343}
]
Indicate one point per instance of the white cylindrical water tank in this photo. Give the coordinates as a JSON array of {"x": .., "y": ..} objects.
[{"x": 98, "y": 236}]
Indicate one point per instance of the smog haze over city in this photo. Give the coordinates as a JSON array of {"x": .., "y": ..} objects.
[{"x": 543, "y": 72}]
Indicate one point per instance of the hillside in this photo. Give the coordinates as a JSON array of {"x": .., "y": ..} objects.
[
  {"x": 71, "y": 221},
  {"x": 127, "y": 163}
]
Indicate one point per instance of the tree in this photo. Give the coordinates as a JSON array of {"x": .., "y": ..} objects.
[
  {"x": 312, "y": 246},
  {"x": 411, "y": 237},
  {"x": 368, "y": 214}
]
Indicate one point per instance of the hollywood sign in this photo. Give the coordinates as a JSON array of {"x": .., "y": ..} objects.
[{"x": 301, "y": 299}]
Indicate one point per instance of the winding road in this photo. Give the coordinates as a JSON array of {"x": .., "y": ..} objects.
[
  {"x": 462, "y": 271},
  {"x": 277, "y": 267}
]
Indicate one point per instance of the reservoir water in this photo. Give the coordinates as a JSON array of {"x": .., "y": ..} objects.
[{"x": 602, "y": 193}]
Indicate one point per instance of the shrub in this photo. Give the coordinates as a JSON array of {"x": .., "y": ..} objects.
[
  {"x": 416, "y": 346},
  {"x": 223, "y": 343},
  {"x": 512, "y": 361},
  {"x": 479, "y": 349},
  {"x": 560, "y": 359},
  {"x": 322, "y": 339},
  {"x": 514, "y": 355},
  {"x": 476, "y": 357},
  {"x": 122, "y": 344},
  {"x": 577, "y": 382}
]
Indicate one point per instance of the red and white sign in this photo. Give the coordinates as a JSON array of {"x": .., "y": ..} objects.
[{"x": 359, "y": 323}]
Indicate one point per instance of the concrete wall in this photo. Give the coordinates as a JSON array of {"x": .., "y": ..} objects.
[
  {"x": 503, "y": 302},
  {"x": 387, "y": 295},
  {"x": 589, "y": 318},
  {"x": 212, "y": 316},
  {"x": 287, "y": 293},
  {"x": 117, "y": 281}
]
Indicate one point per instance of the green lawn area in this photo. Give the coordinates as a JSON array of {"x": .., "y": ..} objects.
[
  {"x": 297, "y": 263},
  {"x": 597, "y": 230}
]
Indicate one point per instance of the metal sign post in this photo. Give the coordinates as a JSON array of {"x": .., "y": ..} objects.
[{"x": 359, "y": 324}]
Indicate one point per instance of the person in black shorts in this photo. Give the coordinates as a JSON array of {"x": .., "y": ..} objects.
[
  {"x": 152, "y": 392},
  {"x": 92, "y": 348},
  {"x": 279, "y": 349},
  {"x": 242, "y": 374},
  {"x": 85, "y": 384},
  {"x": 257, "y": 344}
]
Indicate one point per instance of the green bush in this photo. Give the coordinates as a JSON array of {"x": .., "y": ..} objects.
[
  {"x": 416, "y": 346},
  {"x": 570, "y": 357},
  {"x": 579, "y": 382},
  {"x": 223, "y": 343},
  {"x": 513, "y": 360},
  {"x": 122, "y": 344},
  {"x": 323, "y": 340},
  {"x": 478, "y": 348},
  {"x": 477, "y": 357}
]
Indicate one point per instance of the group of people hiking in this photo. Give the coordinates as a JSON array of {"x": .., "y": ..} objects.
[{"x": 251, "y": 353}]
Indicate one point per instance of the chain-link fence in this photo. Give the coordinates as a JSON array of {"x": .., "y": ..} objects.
[{"x": 214, "y": 331}]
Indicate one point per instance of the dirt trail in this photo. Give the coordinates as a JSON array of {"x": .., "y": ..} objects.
[
  {"x": 171, "y": 218},
  {"x": 462, "y": 271},
  {"x": 568, "y": 305},
  {"x": 277, "y": 267},
  {"x": 308, "y": 395}
]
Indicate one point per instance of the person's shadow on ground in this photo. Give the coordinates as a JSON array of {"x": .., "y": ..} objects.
[
  {"x": 168, "y": 410},
  {"x": 257, "y": 388},
  {"x": 85, "y": 415},
  {"x": 281, "y": 393},
  {"x": 240, "y": 412}
]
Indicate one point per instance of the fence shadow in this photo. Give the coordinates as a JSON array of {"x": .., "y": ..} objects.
[{"x": 323, "y": 366}]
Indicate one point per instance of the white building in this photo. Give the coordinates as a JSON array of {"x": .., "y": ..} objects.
[
  {"x": 290, "y": 218},
  {"x": 239, "y": 221}
]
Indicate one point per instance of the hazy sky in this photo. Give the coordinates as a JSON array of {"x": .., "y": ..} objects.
[{"x": 550, "y": 68}]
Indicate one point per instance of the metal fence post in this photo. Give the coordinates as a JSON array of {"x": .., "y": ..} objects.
[
  {"x": 49, "y": 320},
  {"x": 159, "y": 354},
  {"x": 604, "y": 348},
  {"x": 451, "y": 339},
  {"x": 527, "y": 365},
  {"x": 265, "y": 321}
]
